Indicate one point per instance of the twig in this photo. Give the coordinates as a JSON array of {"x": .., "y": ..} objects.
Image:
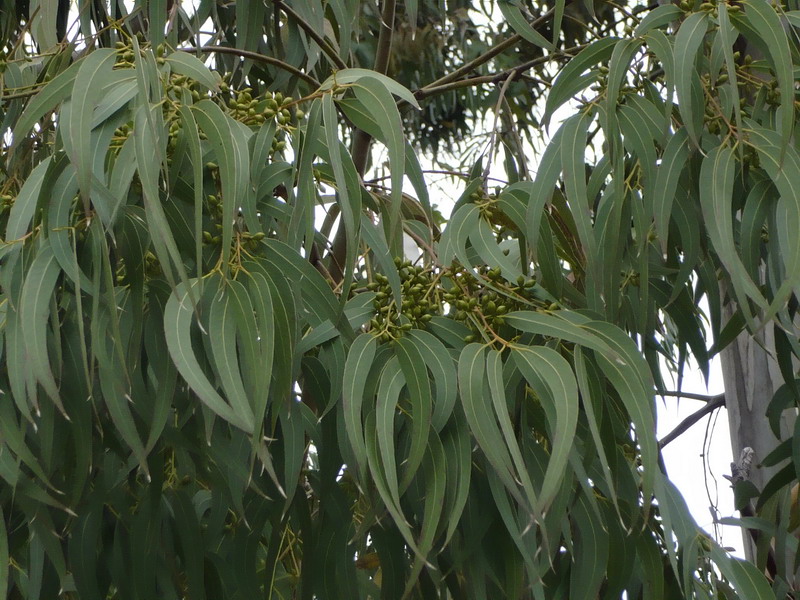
[
  {"x": 486, "y": 56},
  {"x": 431, "y": 90},
  {"x": 493, "y": 138},
  {"x": 258, "y": 58},
  {"x": 712, "y": 404}
]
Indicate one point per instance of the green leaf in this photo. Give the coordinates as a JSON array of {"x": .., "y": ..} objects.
[
  {"x": 377, "y": 99},
  {"x": 494, "y": 375},
  {"x": 618, "y": 358},
  {"x": 458, "y": 449},
  {"x": 35, "y": 313},
  {"x": 483, "y": 241},
  {"x": 4, "y": 563},
  {"x": 436, "y": 357},
  {"x": 727, "y": 40},
  {"x": 765, "y": 22},
  {"x": 435, "y": 473},
  {"x": 744, "y": 576},
  {"x": 347, "y": 187},
  {"x": 658, "y": 17},
  {"x": 85, "y": 96},
  {"x": 513, "y": 14},
  {"x": 51, "y": 94},
  {"x": 591, "y": 395},
  {"x": 482, "y": 422},
  {"x": 178, "y": 315},
  {"x": 222, "y": 329},
  {"x": 19, "y": 219},
  {"x": 234, "y": 166},
  {"x": 716, "y": 201},
  {"x": 550, "y": 375},
  {"x": 453, "y": 243},
  {"x": 184, "y": 63},
  {"x": 392, "y": 383},
  {"x": 351, "y": 76},
  {"x": 590, "y": 554},
  {"x": 573, "y": 150},
  {"x": 83, "y": 542},
  {"x": 359, "y": 362},
  {"x": 687, "y": 42},
  {"x": 783, "y": 167},
  {"x": 563, "y": 86},
  {"x": 669, "y": 171},
  {"x": 45, "y": 16},
  {"x": 147, "y": 139},
  {"x": 419, "y": 388},
  {"x": 190, "y": 130},
  {"x": 379, "y": 479},
  {"x": 189, "y": 533},
  {"x": 662, "y": 47}
]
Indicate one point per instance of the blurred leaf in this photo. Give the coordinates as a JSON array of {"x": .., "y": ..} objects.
[
  {"x": 590, "y": 552},
  {"x": 513, "y": 14}
]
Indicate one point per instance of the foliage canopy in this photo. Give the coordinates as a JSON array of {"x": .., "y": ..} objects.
[{"x": 223, "y": 377}]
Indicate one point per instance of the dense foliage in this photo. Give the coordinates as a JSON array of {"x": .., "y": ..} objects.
[{"x": 223, "y": 376}]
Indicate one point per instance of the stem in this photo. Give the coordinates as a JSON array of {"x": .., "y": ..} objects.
[{"x": 712, "y": 404}]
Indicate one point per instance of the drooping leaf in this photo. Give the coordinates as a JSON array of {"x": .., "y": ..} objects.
[{"x": 687, "y": 42}]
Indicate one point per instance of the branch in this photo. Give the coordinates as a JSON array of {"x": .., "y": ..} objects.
[
  {"x": 432, "y": 90},
  {"x": 258, "y": 58},
  {"x": 486, "y": 56},
  {"x": 689, "y": 395},
  {"x": 312, "y": 33},
  {"x": 712, "y": 404}
]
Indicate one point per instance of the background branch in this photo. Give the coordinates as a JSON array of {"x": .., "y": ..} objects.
[{"x": 712, "y": 404}]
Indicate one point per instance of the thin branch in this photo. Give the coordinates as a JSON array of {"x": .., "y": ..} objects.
[
  {"x": 493, "y": 138},
  {"x": 430, "y": 90},
  {"x": 712, "y": 404},
  {"x": 312, "y": 33},
  {"x": 258, "y": 58},
  {"x": 689, "y": 395},
  {"x": 486, "y": 56}
]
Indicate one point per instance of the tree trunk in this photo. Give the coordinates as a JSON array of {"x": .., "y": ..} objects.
[{"x": 751, "y": 376}]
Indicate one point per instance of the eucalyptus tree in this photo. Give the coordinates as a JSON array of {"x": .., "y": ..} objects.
[{"x": 224, "y": 374}]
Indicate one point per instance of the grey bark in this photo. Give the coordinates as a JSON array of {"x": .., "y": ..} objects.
[{"x": 751, "y": 376}]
